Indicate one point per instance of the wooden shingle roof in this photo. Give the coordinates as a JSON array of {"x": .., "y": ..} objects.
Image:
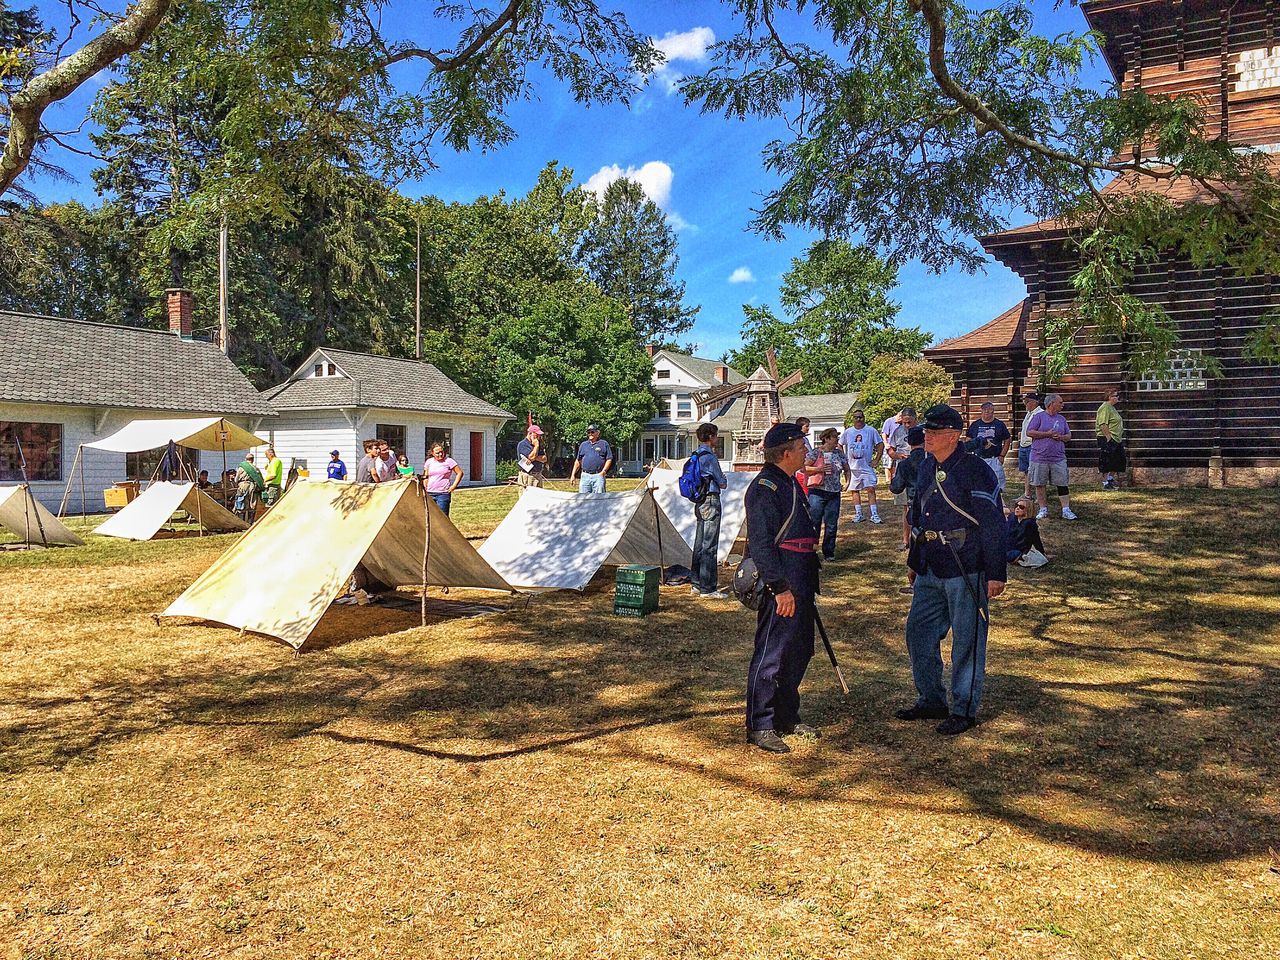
[{"x": 1006, "y": 333}]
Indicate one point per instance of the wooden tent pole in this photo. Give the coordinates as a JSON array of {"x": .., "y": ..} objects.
[
  {"x": 657, "y": 523},
  {"x": 66, "y": 491},
  {"x": 22, "y": 461},
  {"x": 426, "y": 544},
  {"x": 83, "y": 512}
]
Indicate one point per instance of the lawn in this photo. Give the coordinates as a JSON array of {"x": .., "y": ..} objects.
[{"x": 551, "y": 781}]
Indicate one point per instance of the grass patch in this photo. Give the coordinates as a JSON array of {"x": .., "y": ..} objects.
[{"x": 552, "y": 781}]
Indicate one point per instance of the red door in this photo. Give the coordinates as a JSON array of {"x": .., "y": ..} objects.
[{"x": 477, "y": 456}]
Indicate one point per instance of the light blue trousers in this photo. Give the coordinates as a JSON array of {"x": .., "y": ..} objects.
[
  {"x": 591, "y": 483},
  {"x": 939, "y": 606}
]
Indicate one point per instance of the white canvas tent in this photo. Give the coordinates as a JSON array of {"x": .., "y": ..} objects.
[
  {"x": 553, "y": 540},
  {"x": 26, "y": 518},
  {"x": 733, "y": 507},
  {"x": 315, "y": 536},
  {"x": 146, "y": 516},
  {"x": 194, "y": 433}
]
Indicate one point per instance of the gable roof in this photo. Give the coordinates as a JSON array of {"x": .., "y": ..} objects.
[
  {"x": 815, "y": 406},
  {"x": 54, "y": 360},
  {"x": 373, "y": 381},
  {"x": 1007, "y": 332},
  {"x": 699, "y": 367}
]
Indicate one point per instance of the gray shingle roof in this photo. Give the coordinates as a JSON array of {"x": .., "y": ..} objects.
[
  {"x": 818, "y": 406},
  {"x": 703, "y": 369},
  {"x": 373, "y": 381},
  {"x": 53, "y": 360}
]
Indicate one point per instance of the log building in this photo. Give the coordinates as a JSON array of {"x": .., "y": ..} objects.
[{"x": 1190, "y": 428}]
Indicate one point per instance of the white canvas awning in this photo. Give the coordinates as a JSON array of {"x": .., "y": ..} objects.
[
  {"x": 145, "y": 516},
  {"x": 553, "y": 540},
  {"x": 314, "y": 537},
  {"x": 24, "y": 516},
  {"x": 200, "y": 433},
  {"x": 733, "y": 508}
]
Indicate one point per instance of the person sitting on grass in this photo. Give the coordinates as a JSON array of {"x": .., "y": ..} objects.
[{"x": 1025, "y": 546}]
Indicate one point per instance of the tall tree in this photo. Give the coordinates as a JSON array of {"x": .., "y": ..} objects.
[
  {"x": 839, "y": 317},
  {"x": 914, "y": 125},
  {"x": 629, "y": 250}
]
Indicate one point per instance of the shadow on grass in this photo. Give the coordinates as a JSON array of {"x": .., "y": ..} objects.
[{"x": 1120, "y": 719}]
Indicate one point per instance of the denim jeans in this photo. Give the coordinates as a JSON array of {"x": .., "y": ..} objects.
[
  {"x": 939, "y": 605},
  {"x": 706, "y": 543},
  {"x": 824, "y": 507},
  {"x": 591, "y": 483},
  {"x": 442, "y": 501}
]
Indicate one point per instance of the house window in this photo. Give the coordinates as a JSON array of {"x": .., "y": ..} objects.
[
  {"x": 684, "y": 405},
  {"x": 319, "y": 369},
  {"x": 39, "y": 444},
  {"x": 439, "y": 435},
  {"x": 333, "y": 369},
  {"x": 393, "y": 433},
  {"x": 650, "y": 449},
  {"x": 143, "y": 465},
  {"x": 720, "y": 447},
  {"x": 1186, "y": 372},
  {"x": 662, "y": 374}
]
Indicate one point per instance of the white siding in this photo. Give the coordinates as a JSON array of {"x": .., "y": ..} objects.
[
  {"x": 101, "y": 468},
  {"x": 310, "y": 435}
]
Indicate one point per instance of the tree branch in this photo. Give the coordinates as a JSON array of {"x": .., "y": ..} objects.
[{"x": 28, "y": 104}]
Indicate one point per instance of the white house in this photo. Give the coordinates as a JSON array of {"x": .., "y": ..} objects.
[
  {"x": 671, "y": 434},
  {"x": 66, "y": 382},
  {"x": 337, "y": 398}
]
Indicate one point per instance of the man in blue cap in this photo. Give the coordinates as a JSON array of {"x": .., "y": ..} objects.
[
  {"x": 594, "y": 459},
  {"x": 783, "y": 541},
  {"x": 955, "y": 564},
  {"x": 336, "y": 469}
]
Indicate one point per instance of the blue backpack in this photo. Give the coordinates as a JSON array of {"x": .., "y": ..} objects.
[{"x": 692, "y": 480}]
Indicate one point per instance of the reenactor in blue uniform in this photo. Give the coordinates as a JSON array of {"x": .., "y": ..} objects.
[
  {"x": 955, "y": 563},
  {"x": 782, "y": 541}
]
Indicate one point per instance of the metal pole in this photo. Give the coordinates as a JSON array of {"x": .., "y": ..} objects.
[
  {"x": 224, "y": 333},
  {"x": 417, "y": 297}
]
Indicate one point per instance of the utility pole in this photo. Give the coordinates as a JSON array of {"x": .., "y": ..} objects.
[
  {"x": 224, "y": 334},
  {"x": 417, "y": 296}
]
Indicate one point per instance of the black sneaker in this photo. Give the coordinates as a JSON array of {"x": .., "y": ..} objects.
[
  {"x": 767, "y": 740},
  {"x": 956, "y": 723},
  {"x": 801, "y": 730},
  {"x": 917, "y": 712}
]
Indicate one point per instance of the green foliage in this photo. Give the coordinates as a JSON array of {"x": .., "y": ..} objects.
[
  {"x": 629, "y": 250},
  {"x": 917, "y": 126},
  {"x": 839, "y": 317},
  {"x": 572, "y": 358},
  {"x": 893, "y": 383}
]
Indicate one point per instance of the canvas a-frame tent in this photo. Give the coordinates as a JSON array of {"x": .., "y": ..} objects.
[
  {"x": 26, "y": 518},
  {"x": 314, "y": 537},
  {"x": 145, "y": 516},
  {"x": 733, "y": 508},
  {"x": 552, "y": 540},
  {"x": 194, "y": 433}
]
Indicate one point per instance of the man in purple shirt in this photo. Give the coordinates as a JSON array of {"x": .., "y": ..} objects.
[{"x": 1049, "y": 432}]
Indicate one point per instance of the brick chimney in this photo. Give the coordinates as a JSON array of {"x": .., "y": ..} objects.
[
  {"x": 180, "y": 305},
  {"x": 650, "y": 349},
  {"x": 722, "y": 374}
]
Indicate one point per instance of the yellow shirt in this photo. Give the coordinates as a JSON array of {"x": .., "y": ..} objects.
[
  {"x": 273, "y": 471},
  {"x": 1110, "y": 416}
]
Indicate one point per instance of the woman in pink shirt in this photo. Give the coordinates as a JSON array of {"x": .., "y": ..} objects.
[{"x": 443, "y": 476}]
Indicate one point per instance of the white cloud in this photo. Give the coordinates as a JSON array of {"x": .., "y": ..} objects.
[
  {"x": 688, "y": 45},
  {"x": 742, "y": 275},
  {"x": 654, "y": 178}
]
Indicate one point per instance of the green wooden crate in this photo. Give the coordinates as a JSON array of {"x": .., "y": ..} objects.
[
  {"x": 632, "y": 611},
  {"x": 637, "y": 573},
  {"x": 635, "y": 592}
]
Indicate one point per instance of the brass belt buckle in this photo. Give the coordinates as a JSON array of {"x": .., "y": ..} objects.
[{"x": 931, "y": 535}]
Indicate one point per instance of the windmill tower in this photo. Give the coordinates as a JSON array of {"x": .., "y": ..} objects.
[{"x": 761, "y": 408}]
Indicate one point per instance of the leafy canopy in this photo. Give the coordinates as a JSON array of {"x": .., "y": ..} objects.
[{"x": 893, "y": 383}]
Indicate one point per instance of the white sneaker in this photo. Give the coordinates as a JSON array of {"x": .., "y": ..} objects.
[
  {"x": 875, "y": 518},
  {"x": 857, "y": 518},
  {"x": 1043, "y": 514},
  {"x": 1068, "y": 515}
]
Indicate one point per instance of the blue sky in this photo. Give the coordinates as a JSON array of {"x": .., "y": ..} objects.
[{"x": 705, "y": 171}]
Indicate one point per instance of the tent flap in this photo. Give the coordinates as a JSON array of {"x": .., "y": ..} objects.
[
  {"x": 198, "y": 433},
  {"x": 315, "y": 536},
  {"x": 553, "y": 540},
  {"x": 146, "y": 516},
  {"x": 26, "y": 518}
]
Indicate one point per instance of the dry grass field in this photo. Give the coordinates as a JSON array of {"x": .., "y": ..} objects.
[{"x": 551, "y": 781}]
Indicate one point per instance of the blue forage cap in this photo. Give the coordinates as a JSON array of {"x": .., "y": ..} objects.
[
  {"x": 915, "y": 436},
  {"x": 943, "y": 417},
  {"x": 781, "y": 434}
]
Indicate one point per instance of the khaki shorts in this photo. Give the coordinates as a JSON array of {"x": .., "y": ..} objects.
[
  {"x": 529, "y": 479},
  {"x": 1043, "y": 474}
]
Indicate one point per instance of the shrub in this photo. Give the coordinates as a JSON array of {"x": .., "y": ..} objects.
[{"x": 892, "y": 383}]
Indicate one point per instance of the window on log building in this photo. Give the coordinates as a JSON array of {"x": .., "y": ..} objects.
[{"x": 1186, "y": 372}]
